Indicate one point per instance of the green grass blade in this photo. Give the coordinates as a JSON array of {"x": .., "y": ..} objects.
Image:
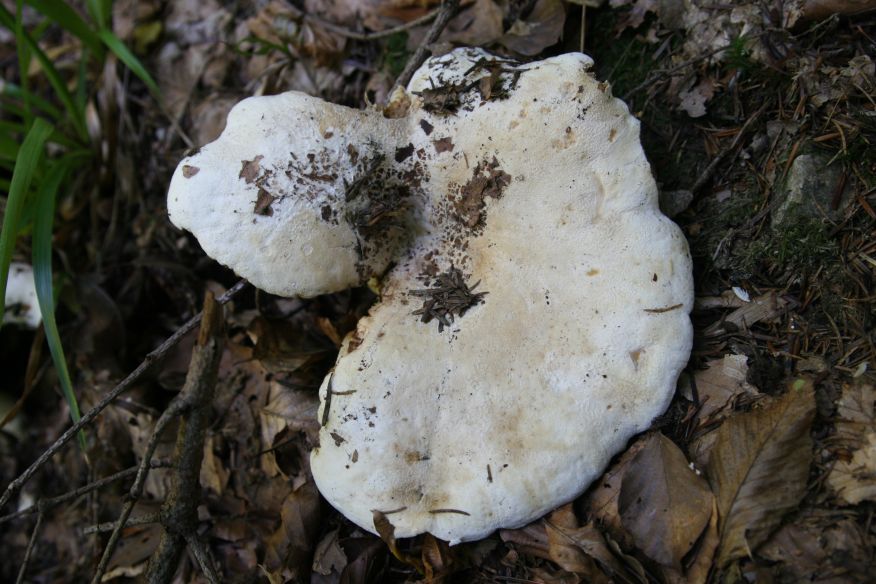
[
  {"x": 29, "y": 156},
  {"x": 17, "y": 26},
  {"x": 42, "y": 275},
  {"x": 129, "y": 59},
  {"x": 8, "y": 147},
  {"x": 100, "y": 11},
  {"x": 77, "y": 116},
  {"x": 63, "y": 15},
  {"x": 13, "y": 91}
]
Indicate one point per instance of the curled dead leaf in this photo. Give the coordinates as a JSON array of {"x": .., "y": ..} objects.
[
  {"x": 853, "y": 475},
  {"x": 827, "y": 547},
  {"x": 541, "y": 28},
  {"x": 386, "y": 531},
  {"x": 586, "y": 551},
  {"x": 758, "y": 469},
  {"x": 288, "y": 549},
  {"x": 663, "y": 503}
]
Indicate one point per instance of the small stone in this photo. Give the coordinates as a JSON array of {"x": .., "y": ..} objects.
[{"x": 809, "y": 190}]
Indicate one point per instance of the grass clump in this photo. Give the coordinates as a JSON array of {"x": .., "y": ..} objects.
[{"x": 45, "y": 140}]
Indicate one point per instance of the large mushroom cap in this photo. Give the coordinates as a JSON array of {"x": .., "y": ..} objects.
[{"x": 537, "y": 313}]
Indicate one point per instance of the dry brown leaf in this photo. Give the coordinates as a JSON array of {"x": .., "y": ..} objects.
[
  {"x": 476, "y": 25},
  {"x": 811, "y": 10},
  {"x": 563, "y": 550},
  {"x": 601, "y": 501},
  {"x": 282, "y": 348},
  {"x": 208, "y": 117},
  {"x": 550, "y": 576},
  {"x": 721, "y": 384},
  {"x": 438, "y": 558},
  {"x": 287, "y": 409},
  {"x": 288, "y": 549},
  {"x": 636, "y": 16},
  {"x": 825, "y": 547},
  {"x": 763, "y": 308},
  {"x": 135, "y": 546},
  {"x": 214, "y": 475},
  {"x": 386, "y": 530},
  {"x": 365, "y": 556},
  {"x": 530, "y": 540},
  {"x": 853, "y": 476},
  {"x": 663, "y": 503},
  {"x": 699, "y": 567},
  {"x": 693, "y": 101},
  {"x": 758, "y": 469},
  {"x": 542, "y": 28},
  {"x": 575, "y": 548},
  {"x": 329, "y": 556}
]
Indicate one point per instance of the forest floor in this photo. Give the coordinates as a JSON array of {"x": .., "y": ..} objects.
[{"x": 758, "y": 119}]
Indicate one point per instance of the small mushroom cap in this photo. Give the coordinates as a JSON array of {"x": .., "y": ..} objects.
[
  {"x": 22, "y": 307},
  {"x": 268, "y": 200}
]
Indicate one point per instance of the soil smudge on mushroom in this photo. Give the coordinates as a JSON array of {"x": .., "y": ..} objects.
[{"x": 450, "y": 296}]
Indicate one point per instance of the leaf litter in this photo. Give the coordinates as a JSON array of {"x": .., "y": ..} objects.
[{"x": 747, "y": 475}]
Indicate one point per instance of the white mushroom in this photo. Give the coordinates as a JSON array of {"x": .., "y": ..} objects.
[
  {"x": 22, "y": 307},
  {"x": 535, "y": 317}
]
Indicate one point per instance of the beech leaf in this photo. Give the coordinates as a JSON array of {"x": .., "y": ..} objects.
[
  {"x": 663, "y": 503},
  {"x": 758, "y": 469}
]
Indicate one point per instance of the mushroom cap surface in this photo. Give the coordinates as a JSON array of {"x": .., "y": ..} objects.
[
  {"x": 22, "y": 305},
  {"x": 535, "y": 317}
]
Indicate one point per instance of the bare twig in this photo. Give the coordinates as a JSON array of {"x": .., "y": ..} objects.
[
  {"x": 48, "y": 504},
  {"x": 176, "y": 407},
  {"x": 147, "y": 519},
  {"x": 706, "y": 175},
  {"x": 205, "y": 559},
  {"x": 668, "y": 72},
  {"x": 30, "y": 545},
  {"x": 367, "y": 36},
  {"x": 150, "y": 360},
  {"x": 448, "y": 10},
  {"x": 179, "y": 513}
]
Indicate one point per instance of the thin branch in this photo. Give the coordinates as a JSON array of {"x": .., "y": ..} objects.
[
  {"x": 448, "y": 10},
  {"x": 204, "y": 557},
  {"x": 147, "y": 519},
  {"x": 179, "y": 513},
  {"x": 672, "y": 70},
  {"x": 176, "y": 407},
  {"x": 48, "y": 504},
  {"x": 150, "y": 360},
  {"x": 368, "y": 36},
  {"x": 706, "y": 175},
  {"x": 30, "y": 545}
]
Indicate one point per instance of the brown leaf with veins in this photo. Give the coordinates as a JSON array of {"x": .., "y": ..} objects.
[
  {"x": 758, "y": 469},
  {"x": 586, "y": 551},
  {"x": 542, "y": 28},
  {"x": 289, "y": 548},
  {"x": 601, "y": 500},
  {"x": 663, "y": 503},
  {"x": 853, "y": 475},
  {"x": 721, "y": 384},
  {"x": 438, "y": 558},
  {"x": 822, "y": 546},
  {"x": 563, "y": 550},
  {"x": 329, "y": 557}
]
